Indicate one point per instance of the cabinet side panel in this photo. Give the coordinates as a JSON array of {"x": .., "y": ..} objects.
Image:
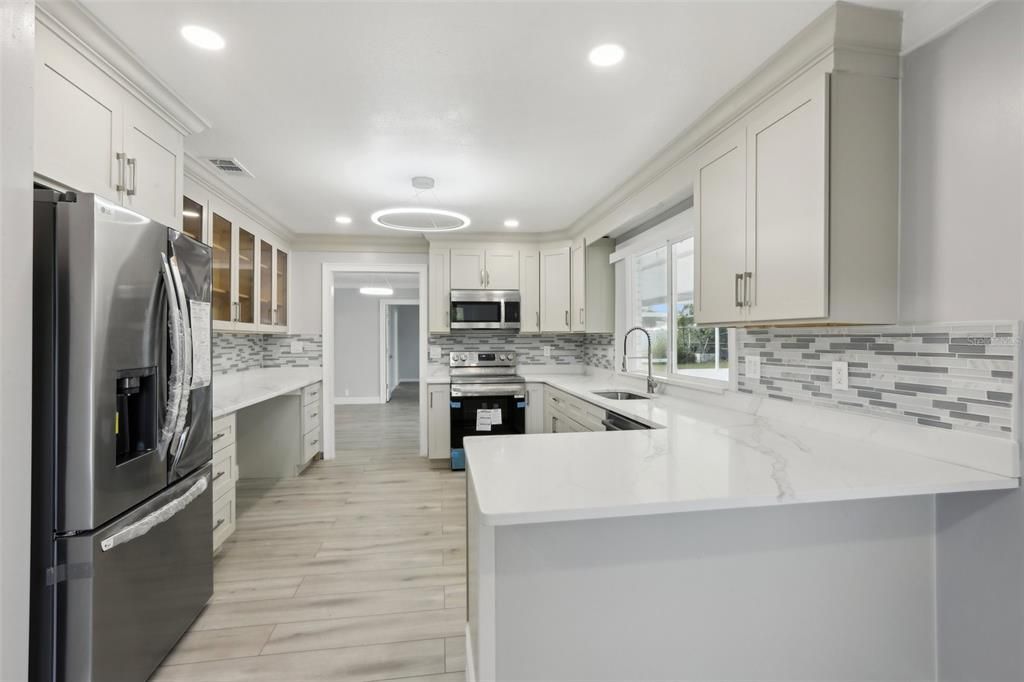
[{"x": 864, "y": 202}]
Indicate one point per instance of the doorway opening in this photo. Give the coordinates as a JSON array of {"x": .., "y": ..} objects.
[{"x": 399, "y": 338}]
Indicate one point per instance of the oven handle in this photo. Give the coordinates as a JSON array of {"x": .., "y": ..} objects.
[{"x": 513, "y": 390}]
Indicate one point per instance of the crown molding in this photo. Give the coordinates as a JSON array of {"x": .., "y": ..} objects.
[
  {"x": 76, "y": 26},
  {"x": 355, "y": 243},
  {"x": 196, "y": 171},
  {"x": 844, "y": 37}
]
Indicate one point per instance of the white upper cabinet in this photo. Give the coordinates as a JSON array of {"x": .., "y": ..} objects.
[
  {"x": 719, "y": 202},
  {"x": 467, "y": 269},
  {"x": 797, "y": 208},
  {"x": 592, "y": 287},
  {"x": 555, "y": 299},
  {"x": 439, "y": 298},
  {"x": 578, "y": 286},
  {"x": 787, "y": 210},
  {"x": 92, "y": 135},
  {"x": 153, "y": 165},
  {"x": 484, "y": 268},
  {"x": 529, "y": 292}
]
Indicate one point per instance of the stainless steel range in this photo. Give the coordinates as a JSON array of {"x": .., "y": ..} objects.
[{"x": 488, "y": 398}]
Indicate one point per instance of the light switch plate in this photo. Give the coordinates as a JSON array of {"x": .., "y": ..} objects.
[
  {"x": 753, "y": 363},
  {"x": 547, "y": 351},
  {"x": 297, "y": 346},
  {"x": 435, "y": 352},
  {"x": 840, "y": 376}
]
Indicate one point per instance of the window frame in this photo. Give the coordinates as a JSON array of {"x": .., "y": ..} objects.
[{"x": 644, "y": 244}]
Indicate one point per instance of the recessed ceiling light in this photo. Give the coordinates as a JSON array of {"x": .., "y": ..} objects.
[
  {"x": 202, "y": 37},
  {"x": 376, "y": 291},
  {"x": 511, "y": 222},
  {"x": 420, "y": 219},
  {"x": 608, "y": 54},
  {"x": 343, "y": 220}
]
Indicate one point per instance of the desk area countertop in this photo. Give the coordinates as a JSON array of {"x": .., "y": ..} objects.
[
  {"x": 238, "y": 390},
  {"x": 702, "y": 457}
]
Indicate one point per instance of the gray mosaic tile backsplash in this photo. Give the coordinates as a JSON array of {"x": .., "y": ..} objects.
[
  {"x": 566, "y": 349},
  {"x": 959, "y": 376},
  {"x": 240, "y": 352},
  {"x": 277, "y": 351}
]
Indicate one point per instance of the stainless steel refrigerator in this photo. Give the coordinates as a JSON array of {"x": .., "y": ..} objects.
[{"x": 122, "y": 422}]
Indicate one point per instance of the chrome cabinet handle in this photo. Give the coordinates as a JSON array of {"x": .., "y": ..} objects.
[
  {"x": 736, "y": 289},
  {"x": 446, "y": 318},
  {"x": 120, "y": 156},
  {"x": 431, "y": 400},
  {"x": 481, "y": 278},
  {"x": 315, "y": 414},
  {"x": 219, "y": 475},
  {"x": 747, "y": 281},
  {"x": 581, "y": 315},
  {"x": 538, "y": 320},
  {"x": 315, "y": 442},
  {"x": 566, "y": 318},
  {"x": 220, "y": 522},
  {"x": 220, "y": 435},
  {"x": 132, "y": 163}
]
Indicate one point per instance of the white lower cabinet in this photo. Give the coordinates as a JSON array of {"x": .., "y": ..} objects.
[
  {"x": 279, "y": 438},
  {"x": 564, "y": 413},
  {"x": 439, "y": 425},
  {"x": 225, "y": 475},
  {"x": 535, "y": 408},
  {"x": 312, "y": 424}
]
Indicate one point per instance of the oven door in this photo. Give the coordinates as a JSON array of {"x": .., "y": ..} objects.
[{"x": 486, "y": 415}]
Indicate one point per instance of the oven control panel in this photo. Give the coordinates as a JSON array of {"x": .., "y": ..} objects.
[{"x": 476, "y": 359}]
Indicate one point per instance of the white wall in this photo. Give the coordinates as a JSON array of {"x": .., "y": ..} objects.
[
  {"x": 307, "y": 281},
  {"x": 408, "y": 351},
  {"x": 16, "y": 73},
  {"x": 961, "y": 259},
  {"x": 357, "y": 343}
]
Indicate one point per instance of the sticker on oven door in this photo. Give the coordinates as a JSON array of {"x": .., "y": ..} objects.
[
  {"x": 483, "y": 420},
  {"x": 496, "y": 417}
]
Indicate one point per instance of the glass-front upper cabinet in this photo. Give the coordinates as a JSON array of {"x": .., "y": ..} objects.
[
  {"x": 192, "y": 215},
  {"x": 266, "y": 283},
  {"x": 281, "y": 290},
  {"x": 245, "y": 315},
  {"x": 222, "y": 241}
]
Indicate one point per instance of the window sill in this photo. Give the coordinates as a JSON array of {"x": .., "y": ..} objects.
[{"x": 708, "y": 385}]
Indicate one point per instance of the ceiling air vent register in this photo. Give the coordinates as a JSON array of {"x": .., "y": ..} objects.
[{"x": 231, "y": 167}]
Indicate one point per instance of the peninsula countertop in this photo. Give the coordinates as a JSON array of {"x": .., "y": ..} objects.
[
  {"x": 704, "y": 457},
  {"x": 237, "y": 390}
]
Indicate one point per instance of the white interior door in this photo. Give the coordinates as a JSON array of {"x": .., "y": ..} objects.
[{"x": 391, "y": 350}]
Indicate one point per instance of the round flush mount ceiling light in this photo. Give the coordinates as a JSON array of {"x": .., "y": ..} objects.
[
  {"x": 608, "y": 54},
  {"x": 420, "y": 219},
  {"x": 343, "y": 220},
  {"x": 511, "y": 222},
  {"x": 202, "y": 37}
]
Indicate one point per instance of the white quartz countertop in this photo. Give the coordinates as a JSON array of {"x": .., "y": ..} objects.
[
  {"x": 705, "y": 458},
  {"x": 237, "y": 390}
]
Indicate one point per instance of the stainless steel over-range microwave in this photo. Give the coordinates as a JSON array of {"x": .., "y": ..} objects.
[{"x": 485, "y": 309}]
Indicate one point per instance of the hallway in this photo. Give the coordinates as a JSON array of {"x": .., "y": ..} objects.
[{"x": 353, "y": 571}]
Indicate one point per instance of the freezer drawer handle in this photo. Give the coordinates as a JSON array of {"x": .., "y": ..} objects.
[{"x": 154, "y": 519}]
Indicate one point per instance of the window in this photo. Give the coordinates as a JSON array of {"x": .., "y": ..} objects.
[{"x": 660, "y": 298}]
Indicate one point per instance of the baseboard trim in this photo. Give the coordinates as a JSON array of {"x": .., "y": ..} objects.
[{"x": 367, "y": 400}]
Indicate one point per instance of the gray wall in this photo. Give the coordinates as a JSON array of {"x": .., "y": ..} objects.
[
  {"x": 961, "y": 258},
  {"x": 16, "y": 74},
  {"x": 408, "y": 343},
  {"x": 357, "y": 342}
]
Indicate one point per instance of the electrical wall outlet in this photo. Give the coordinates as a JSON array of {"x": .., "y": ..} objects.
[
  {"x": 547, "y": 351},
  {"x": 297, "y": 346},
  {"x": 435, "y": 352},
  {"x": 753, "y": 363},
  {"x": 840, "y": 376}
]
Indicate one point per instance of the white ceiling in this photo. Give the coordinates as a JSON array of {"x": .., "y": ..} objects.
[
  {"x": 396, "y": 280},
  {"x": 334, "y": 106}
]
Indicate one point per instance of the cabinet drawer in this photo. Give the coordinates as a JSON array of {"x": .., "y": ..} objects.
[
  {"x": 311, "y": 445},
  {"x": 223, "y": 432},
  {"x": 223, "y": 473},
  {"x": 311, "y": 417},
  {"x": 223, "y": 518},
  {"x": 311, "y": 393}
]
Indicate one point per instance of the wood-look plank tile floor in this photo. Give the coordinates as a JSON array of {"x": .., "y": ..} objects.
[{"x": 353, "y": 571}]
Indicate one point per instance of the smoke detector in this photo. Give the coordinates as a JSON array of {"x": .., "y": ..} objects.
[{"x": 231, "y": 167}]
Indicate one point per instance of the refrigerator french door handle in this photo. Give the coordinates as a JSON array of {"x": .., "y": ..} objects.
[
  {"x": 186, "y": 357},
  {"x": 154, "y": 519},
  {"x": 175, "y": 374}
]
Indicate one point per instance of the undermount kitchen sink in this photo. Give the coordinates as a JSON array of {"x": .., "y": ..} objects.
[{"x": 621, "y": 395}]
